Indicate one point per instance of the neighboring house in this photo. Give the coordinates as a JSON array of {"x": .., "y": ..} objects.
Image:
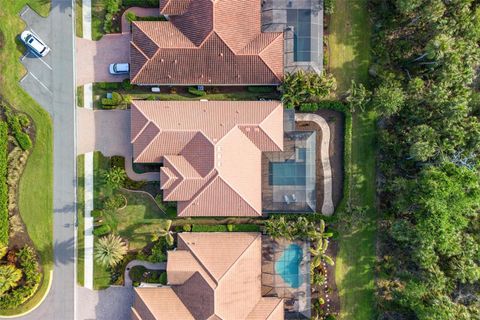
[
  {"x": 215, "y": 276},
  {"x": 206, "y": 42},
  {"x": 211, "y": 151}
]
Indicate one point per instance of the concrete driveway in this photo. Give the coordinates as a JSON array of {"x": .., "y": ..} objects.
[
  {"x": 111, "y": 303},
  {"x": 108, "y": 131},
  {"x": 94, "y": 57}
]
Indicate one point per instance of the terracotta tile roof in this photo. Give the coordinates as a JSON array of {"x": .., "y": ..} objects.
[
  {"x": 150, "y": 304},
  {"x": 214, "y": 276},
  {"x": 212, "y": 151},
  {"x": 206, "y": 42}
]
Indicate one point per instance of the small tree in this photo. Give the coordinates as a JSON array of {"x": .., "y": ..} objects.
[
  {"x": 165, "y": 233},
  {"x": 388, "y": 98},
  {"x": 114, "y": 178},
  {"x": 9, "y": 277},
  {"x": 357, "y": 96},
  {"x": 301, "y": 87},
  {"x": 110, "y": 250}
]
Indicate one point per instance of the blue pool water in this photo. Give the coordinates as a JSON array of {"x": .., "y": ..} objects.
[{"x": 288, "y": 266}]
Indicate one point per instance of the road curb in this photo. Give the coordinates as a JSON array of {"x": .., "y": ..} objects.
[{"x": 37, "y": 305}]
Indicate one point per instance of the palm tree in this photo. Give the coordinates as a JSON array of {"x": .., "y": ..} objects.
[
  {"x": 165, "y": 232},
  {"x": 115, "y": 177},
  {"x": 319, "y": 255},
  {"x": 110, "y": 250},
  {"x": 9, "y": 277}
]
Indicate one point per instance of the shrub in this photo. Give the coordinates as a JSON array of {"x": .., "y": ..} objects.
[
  {"x": 115, "y": 202},
  {"x": 141, "y": 3},
  {"x": 24, "y": 120},
  {"x": 136, "y": 273},
  {"x": 23, "y": 140},
  {"x": 126, "y": 85},
  {"x": 331, "y": 317},
  {"x": 3, "y": 250},
  {"x": 112, "y": 8},
  {"x": 3, "y": 185},
  {"x": 115, "y": 100},
  {"x": 109, "y": 85},
  {"x": 117, "y": 161},
  {"x": 101, "y": 230},
  {"x": 196, "y": 92},
  {"x": 187, "y": 227},
  {"x": 260, "y": 89},
  {"x": 114, "y": 178},
  {"x": 131, "y": 16},
  {"x": 97, "y": 213},
  {"x": 28, "y": 264},
  {"x": 230, "y": 227},
  {"x": 163, "y": 278},
  {"x": 245, "y": 228},
  {"x": 209, "y": 228},
  {"x": 158, "y": 252},
  {"x": 309, "y": 107},
  {"x": 151, "y": 98},
  {"x": 329, "y": 7}
]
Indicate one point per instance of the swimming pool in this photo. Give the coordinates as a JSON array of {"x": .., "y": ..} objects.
[{"x": 288, "y": 266}]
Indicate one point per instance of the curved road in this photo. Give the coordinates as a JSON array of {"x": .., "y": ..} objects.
[{"x": 55, "y": 92}]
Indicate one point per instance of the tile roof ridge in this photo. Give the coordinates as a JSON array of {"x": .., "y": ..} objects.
[
  {"x": 153, "y": 288},
  {"x": 279, "y": 300},
  {"x": 225, "y": 42},
  {"x": 202, "y": 189},
  {"x": 146, "y": 124},
  {"x": 151, "y": 141},
  {"x": 144, "y": 65},
  {"x": 270, "y": 114},
  {"x": 240, "y": 256},
  {"x": 260, "y": 55},
  {"x": 238, "y": 193}
]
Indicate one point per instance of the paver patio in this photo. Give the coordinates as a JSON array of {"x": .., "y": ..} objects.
[{"x": 94, "y": 57}]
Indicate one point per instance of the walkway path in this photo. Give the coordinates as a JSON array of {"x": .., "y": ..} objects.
[
  {"x": 146, "y": 264},
  {"x": 87, "y": 19},
  {"x": 327, "y": 206}
]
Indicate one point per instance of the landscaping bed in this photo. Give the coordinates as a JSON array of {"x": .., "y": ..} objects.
[
  {"x": 140, "y": 274},
  {"x": 125, "y": 92}
]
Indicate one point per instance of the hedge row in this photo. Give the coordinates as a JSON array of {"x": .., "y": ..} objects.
[
  {"x": 115, "y": 100},
  {"x": 261, "y": 89},
  {"x": 3, "y": 184},
  {"x": 226, "y": 228},
  {"x": 325, "y": 104},
  {"x": 141, "y": 3},
  {"x": 196, "y": 92}
]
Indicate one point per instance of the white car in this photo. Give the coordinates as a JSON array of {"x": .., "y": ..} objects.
[
  {"x": 119, "y": 68},
  {"x": 34, "y": 43}
]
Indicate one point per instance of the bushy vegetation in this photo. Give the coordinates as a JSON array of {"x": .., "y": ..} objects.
[
  {"x": 112, "y": 8},
  {"x": 110, "y": 250},
  {"x": 3, "y": 185},
  {"x": 196, "y": 92},
  {"x": 141, "y": 274},
  {"x": 114, "y": 101},
  {"x": 141, "y": 3},
  {"x": 325, "y": 104},
  {"x": 426, "y": 54},
  {"x": 226, "y": 228},
  {"x": 304, "y": 87},
  {"x": 27, "y": 262},
  {"x": 17, "y": 123},
  {"x": 261, "y": 89}
]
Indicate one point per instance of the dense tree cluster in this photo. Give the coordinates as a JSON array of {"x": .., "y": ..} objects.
[{"x": 426, "y": 55}]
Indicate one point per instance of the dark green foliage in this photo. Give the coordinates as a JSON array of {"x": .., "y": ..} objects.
[
  {"x": 109, "y": 85},
  {"x": 259, "y": 89},
  {"x": 209, "y": 228},
  {"x": 328, "y": 7},
  {"x": 426, "y": 55},
  {"x": 308, "y": 107},
  {"x": 244, "y": 228},
  {"x": 196, "y": 92},
  {"x": 324, "y": 104},
  {"x": 126, "y": 85},
  {"x": 141, "y": 3},
  {"x": 27, "y": 261},
  {"x": 15, "y": 123},
  {"x": 304, "y": 87},
  {"x": 112, "y": 8},
  {"x": 114, "y": 202},
  {"x": 3, "y": 185},
  {"x": 163, "y": 278},
  {"x": 159, "y": 252},
  {"x": 23, "y": 140},
  {"x": 101, "y": 230},
  {"x": 114, "y": 101},
  {"x": 97, "y": 213},
  {"x": 130, "y": 16},
  {"x": 136, "y": 273}
]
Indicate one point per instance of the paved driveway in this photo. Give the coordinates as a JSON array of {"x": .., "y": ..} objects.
[
  {"x": 94, "y": 57},
  {"x": 108, "y": 131},
  {"x": 109, "y": 304}
]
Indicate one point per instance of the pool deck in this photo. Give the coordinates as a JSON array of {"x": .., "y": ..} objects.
[{"x": 297, "y": 300}]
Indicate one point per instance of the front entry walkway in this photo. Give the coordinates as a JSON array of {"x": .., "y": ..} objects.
[{"x": 108, "y": 131}]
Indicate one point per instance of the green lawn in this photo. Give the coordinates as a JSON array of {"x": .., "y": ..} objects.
[
  {"x": 135, "y": 223},
  {"x": 81, "y": 218},
  {"x": 80, "y": 98},
  {"x": 35, "y": 202},
  {"x": 78, "y": 19},
  {"x": 349, "y": 58},
  {"x": 349, "y": 42}
]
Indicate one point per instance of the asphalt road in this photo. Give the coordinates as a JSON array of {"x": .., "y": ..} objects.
[{"x": 51, "y": 82}]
